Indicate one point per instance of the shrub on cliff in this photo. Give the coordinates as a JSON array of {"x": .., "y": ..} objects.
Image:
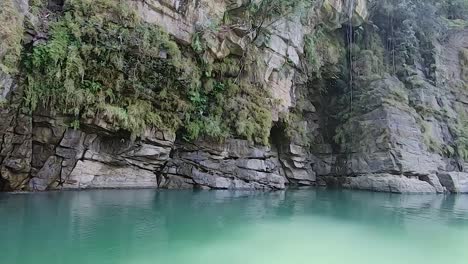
[
  {"x": 11, "y": 30},
  {"x": 100, "y": 59}
]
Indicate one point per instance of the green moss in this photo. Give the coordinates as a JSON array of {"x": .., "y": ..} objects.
[
  {"x": 322, "y": 49},
  {"x": 229, "y": 109},
  {"x": 101, "y": 59},
  {"x": 294, "y": 128},
  {"x": 11, "y": 31},
  {"x": 464, "y": 64},
  {"x": 432, "y": 144},
  {"x": 461, "y": 141},
  {"x": 230, "y": 101}
]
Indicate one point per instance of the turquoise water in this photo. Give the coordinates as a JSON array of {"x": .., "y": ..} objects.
[{"x": 296, "y": 226}]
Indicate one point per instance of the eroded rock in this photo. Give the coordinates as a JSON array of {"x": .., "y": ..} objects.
[
  {"x": 235, "y": 164},
  {"x": 93, "y": 174},
  {"x": 456, "y": 182},
  {"x": 389, "y": 183}
]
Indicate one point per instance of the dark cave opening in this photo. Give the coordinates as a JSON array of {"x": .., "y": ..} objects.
[
  {"x": 4, "y": 185},
  {"x": 55, "y": 5},
  {"x": 278, "y": 134}
]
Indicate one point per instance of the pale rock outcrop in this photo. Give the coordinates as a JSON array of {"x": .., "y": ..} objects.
[
  {"x": 95, "y": 158},
  {"x": 111, "y": 162},
  {"x": 388, "y": 149},
  {"x": 389, "y": 183},
  {"x": 296, "y": 164},
  {"x": 93, "y": 174},
  {"x": 235, "y": 164},
  {"x": 433, "y": 180},
  {"x": 455, "y": 182}
]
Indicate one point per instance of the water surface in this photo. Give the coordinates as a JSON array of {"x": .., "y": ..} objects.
[{"x": 295, "y": 226}]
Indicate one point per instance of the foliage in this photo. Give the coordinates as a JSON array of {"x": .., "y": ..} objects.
[
  {"x": 324, "y": 53},
  {"x": 464, "y": 64},
  {"x": 408, "y": 28},
  {"x": 461, "y": 141},
  {"x": 225, "y": 105},
  {"x": 230, "y": 100},
  {"x": 432, "y": 144},
  {"x": 265, "y": 13},
  {"x": 37, "y": 5},
  {"x": 11, "y": 31},
  {"x": 265, "y": 10},
  {"x": 454, "y": 9},
  {"x": 294, "y": 128},
  {"x": 312, "y": 54},
  {"x": 101, "y": 60}
]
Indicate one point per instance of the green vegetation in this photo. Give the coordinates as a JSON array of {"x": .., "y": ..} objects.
[
  {"x": 101, "y": 60},
  {"x": 226, "y": 103},
  {"x": 454, "y": 9},
  {"x": 409, "y": 28},
  {"x": 461, "y": 141},
  {"x": 432, "y": 144},
  {"x": 322, "y": 49},
  {"x": 37, "y": 5},
  {"x": 11, "y": 31},
  {"x": 293, "y": 127},
  {"x": 464, "y": 64}
]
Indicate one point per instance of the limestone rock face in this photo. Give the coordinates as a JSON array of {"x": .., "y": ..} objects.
[
  {"x": 400, "y": 132},
  {"x": 336, "y": 12},
  {"x": 297, "y": 166},
  {"x": 400, "y": 137},
  {"x": 456, "y": 182},
  {"x": 15, "y": 153},
  {"x": 101, "y": 161},
  {"x": 92, "y": 174},
  {"x": 235, "y": 164},
  {"x": 389, "y": 183},
  {"x": 46, "y": 155}
]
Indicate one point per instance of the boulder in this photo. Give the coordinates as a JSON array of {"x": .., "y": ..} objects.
[
  {"x": 433, "y": 180},
  {"x": 455, "y": 182},
  {"x": 389, "y": 183},
  {"x": 93, "y": 174},
  {"x": 49, "y": 173}
]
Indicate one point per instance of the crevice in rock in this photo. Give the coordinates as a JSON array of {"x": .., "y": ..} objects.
[
  {"x": 277, "y": 137},
  {"x": 4, "y": 185},
  {"x": 55, "y": 5}
]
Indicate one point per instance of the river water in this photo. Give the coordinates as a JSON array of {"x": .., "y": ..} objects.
[{"x": 171, "y": 227}]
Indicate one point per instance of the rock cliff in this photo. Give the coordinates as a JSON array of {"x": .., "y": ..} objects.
[{"x": 344, "y": 93}]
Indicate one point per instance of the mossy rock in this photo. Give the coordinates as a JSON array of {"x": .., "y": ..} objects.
[
  {"x": 464, "y": 64},
  {"x": 11, "y": 33}
]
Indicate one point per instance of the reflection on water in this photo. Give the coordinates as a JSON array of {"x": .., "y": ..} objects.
[{"x": 295, "y": 226}]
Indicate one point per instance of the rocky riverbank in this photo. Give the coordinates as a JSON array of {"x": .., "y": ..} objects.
[{"x": 349, "y": 108}]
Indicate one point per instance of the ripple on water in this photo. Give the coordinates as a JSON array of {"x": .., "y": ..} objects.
[{"x": 295, "y": 226}]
